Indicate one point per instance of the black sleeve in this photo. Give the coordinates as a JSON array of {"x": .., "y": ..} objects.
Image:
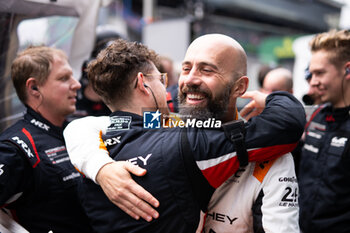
[
  {"x": 270, "y": 135},
  {"x": 14, "y": 172},
  {"x": 282, "y": 122}
]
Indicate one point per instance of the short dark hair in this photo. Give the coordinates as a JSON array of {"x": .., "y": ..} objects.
[{"x": 116, "y": 67}]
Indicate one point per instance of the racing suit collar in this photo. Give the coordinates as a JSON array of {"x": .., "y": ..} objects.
[
  {"x": 40, "y": 122},
  {"x": 336, "y": 114}
]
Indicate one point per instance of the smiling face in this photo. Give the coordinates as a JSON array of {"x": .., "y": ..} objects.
[
  {"x": 210, "y": 68},
  {"x": 326, "y": 78}
]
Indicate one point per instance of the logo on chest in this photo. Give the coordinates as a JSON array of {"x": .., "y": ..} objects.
[
  {"x": 338, "y": 142},
  {"x": 40, "y": 124},
  {"x": 112, "y": 141},
  {"x": 57, "y": 154},
  {"x": 221, "y": 217}
]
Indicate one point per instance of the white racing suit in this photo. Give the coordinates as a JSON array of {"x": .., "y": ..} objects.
[{"x": 261, "y": 197}]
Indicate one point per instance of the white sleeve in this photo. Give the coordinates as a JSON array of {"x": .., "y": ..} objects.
[
  {"x": 280, "y": 209},
  {"x": 82, "y": 138},
  {"x": 8, "y": 224}
]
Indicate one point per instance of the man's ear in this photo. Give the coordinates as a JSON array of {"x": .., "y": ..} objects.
[
  {"x": 347, "y": 70},
  {"x": 32, "y": 87},
  {"x": 140, "y": 84},
  {"x": 241, "y": 86}
]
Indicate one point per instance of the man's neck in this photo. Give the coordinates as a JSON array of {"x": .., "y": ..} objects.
[
  {"x": 56, "y": 121},
  {"x": 90, "y": 94},
  {"x": 231, "y": 115},
  {"x": 136, "y": 107},
  {"x": 343, "y": 102},
  {"x": 49, "y": 116}
]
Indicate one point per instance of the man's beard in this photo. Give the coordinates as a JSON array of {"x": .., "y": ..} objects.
[{"x": 216, "y": 107}]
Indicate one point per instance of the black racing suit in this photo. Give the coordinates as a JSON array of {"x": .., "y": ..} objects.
[
  {"x": 38, "y": 183},
  {"x": 324, "y": 172},
  {"x": 184, "y": 166}
]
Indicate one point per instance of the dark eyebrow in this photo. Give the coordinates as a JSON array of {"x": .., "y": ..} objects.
[
  {"x": 208, "y": 64},
  {"x": 201, "y": 64},
  {"x": 186, "y": 63}
]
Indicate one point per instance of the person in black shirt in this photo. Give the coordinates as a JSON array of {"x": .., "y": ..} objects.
[
  {"x": 38, "y": 183},
  {"x": 324, "y": 175}
]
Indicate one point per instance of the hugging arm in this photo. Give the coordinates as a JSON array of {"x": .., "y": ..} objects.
[{"x": 89, "y": 155}]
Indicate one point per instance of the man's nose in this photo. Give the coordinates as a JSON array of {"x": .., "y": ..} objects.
[
  {"x": 314, "y": 81},
  {"x": 193, "y": 79},
  {"x": 75, "y": 84}
]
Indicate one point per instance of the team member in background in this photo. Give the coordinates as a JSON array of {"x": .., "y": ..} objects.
[
  {"x": 167, "y": 66},
  {"x": 278, "y": 79},
  {"x": 312, "y": 97},
  {"x": 324, "y": 175},
  {"x": 204, "y": 80},
  {"x": 88, "y": 102},
  {"x": 38, "y": 183}
]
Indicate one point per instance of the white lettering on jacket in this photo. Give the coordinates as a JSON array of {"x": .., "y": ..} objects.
[
  {"x": 338, "y": 142},
  {"x": 143, "y": 159},
  {"x": 314, "y": 135},
  {"x": 24, "y": 146},
  {"x": 40, "y": 124},
  {"x": 311, "y": 148},
  {"x": 112, "y": 141},
  {"x": 1, "y": 170}
]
